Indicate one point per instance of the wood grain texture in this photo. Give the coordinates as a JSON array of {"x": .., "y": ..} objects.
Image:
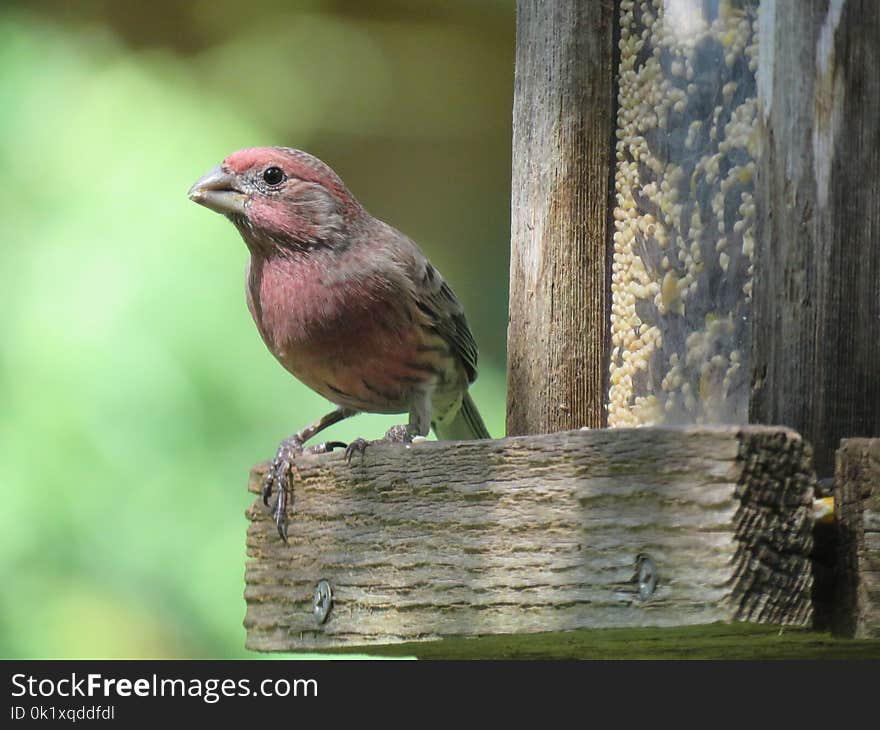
[
  {"x": 536, "y": 534},
  {"x": 856, "y": 607},
  {"x": 816, "y": 324},
  {"x": 563, "y": 113}
]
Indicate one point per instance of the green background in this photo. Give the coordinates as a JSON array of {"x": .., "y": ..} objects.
[{"x": 134, "y": 390}]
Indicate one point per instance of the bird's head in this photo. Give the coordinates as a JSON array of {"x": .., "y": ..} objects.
[{"x": 279, "y": 198}]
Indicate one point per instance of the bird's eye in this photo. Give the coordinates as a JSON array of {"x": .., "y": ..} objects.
[{"x": 273, "y": 175}]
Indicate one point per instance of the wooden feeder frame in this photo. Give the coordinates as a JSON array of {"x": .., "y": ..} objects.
[{"x": 644, "y": 527}]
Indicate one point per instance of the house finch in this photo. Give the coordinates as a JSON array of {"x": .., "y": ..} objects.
[{"x": 346, "y": 303}]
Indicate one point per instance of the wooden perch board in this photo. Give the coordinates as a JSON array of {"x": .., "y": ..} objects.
[
  {"x": 537, "y": 533},
  {"x": 856, "y": 606}
]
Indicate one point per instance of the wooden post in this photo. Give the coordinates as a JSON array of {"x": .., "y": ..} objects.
[
  {"x": 856, "y": 606},
  {"x": 602, "y": 528},
  {"x": 563, "y": 115},
  {"x": 816, "y": 321}
]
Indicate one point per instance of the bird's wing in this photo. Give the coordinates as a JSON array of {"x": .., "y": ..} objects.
[{"x": 444, "y": 313}]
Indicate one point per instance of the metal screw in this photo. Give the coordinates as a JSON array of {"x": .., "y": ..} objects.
[
  {"x": 322, "y": 602},
  {"x": 647, "y": 575}
]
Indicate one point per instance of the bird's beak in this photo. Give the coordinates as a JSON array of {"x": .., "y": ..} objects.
[{"x": 219, "y": 191}]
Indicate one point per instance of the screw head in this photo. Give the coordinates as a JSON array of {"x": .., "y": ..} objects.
[
  {"x": 646, "y": 576},
  {"x": 322, "y": 601}
]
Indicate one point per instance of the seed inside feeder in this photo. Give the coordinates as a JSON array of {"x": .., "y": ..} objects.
[{"x": 684, "y": 216}]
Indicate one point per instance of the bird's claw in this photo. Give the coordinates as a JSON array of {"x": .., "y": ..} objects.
[
  {"x": 358, "y": 446},
  {"x": 280, "y": 467},
  {"x": 395, "y": 435},
  {"x": 326, "y": 447},
  {"x": 280, "y": 477}
]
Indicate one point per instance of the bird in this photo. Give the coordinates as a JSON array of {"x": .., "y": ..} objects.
[{"x": 346, "y": 303}]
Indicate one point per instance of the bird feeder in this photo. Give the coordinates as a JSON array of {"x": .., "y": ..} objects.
[{"x": 694, "y": 327}]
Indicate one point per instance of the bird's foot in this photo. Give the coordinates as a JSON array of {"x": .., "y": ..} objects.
[
  {"x": 395, "y": 435},
  {"x": 279, "y": 478}
]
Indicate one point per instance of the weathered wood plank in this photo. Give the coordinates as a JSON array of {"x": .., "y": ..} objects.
[
  {"x": 816, "y": 323},
  {"x": 856, "y": 607},
  {"x": 537, "y": 533},
  {"x": 563, "y": 112}
]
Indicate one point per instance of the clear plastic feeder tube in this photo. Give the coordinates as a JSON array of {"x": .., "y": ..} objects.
[{"x": 684, "y": 212}]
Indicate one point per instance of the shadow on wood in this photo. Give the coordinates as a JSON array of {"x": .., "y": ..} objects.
[{"x": 579, "y": 529}]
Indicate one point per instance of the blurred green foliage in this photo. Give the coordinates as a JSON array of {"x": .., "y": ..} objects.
[{"x": 134, "y": 390}]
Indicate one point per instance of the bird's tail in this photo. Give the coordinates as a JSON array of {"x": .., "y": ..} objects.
[{"x": 467, "y": 424}]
